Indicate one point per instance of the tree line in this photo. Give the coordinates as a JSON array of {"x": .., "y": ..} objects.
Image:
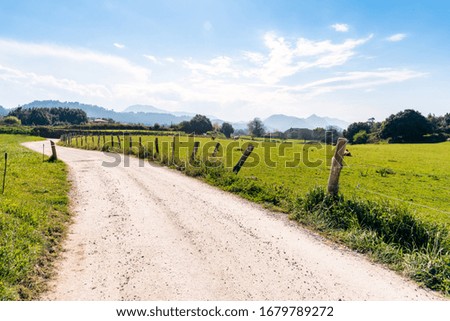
[
  {"x": 407, "y": 126},
  {"x": 48, "y": 116}
]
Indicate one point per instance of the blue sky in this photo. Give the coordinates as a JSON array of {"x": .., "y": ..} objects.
[{"x": 233, "y": 59}]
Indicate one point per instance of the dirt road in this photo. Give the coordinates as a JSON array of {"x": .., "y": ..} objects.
[{"x": 150, "y": 233}]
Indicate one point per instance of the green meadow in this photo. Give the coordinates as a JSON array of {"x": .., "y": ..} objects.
[
  {"x": 33, "y": 218},
  {"x": 413, "y": 175}
]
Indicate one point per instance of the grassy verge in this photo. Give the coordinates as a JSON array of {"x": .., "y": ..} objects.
[{"x": 33, "y": 218}]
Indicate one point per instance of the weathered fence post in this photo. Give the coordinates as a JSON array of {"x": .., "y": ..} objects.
[
  {"x": 130, "y": 148},
  {"x": 118, "y": 139},
  {"x": 244, "y": 157},
  {"x": 173, "y": 149},
  {"x": 194, "y": 151},
  {"x": 112, "y": 141},
  {"x": 336, "y": 166},
  {"x": 4, "y": 173},
  {"x": 216, "y": 150},
  {"x": 54, "y": 156},
  {"x": 156, "y": 145}
]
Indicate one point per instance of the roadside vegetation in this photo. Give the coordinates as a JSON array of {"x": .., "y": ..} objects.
[{"x": 33, "y": 218}]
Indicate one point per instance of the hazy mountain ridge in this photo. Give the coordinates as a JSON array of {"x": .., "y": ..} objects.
[
  {"x": 283, "y": 122},
  {"x": 149, "y": 115},
  {"x": 93, "y": 111},
  {"x": 3, "y": 111}
]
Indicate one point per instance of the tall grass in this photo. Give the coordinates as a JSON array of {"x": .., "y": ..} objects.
[{"x": 33, "y": 219}]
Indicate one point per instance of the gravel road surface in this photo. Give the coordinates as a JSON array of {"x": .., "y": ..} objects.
[{"x": 144, "y": 232}]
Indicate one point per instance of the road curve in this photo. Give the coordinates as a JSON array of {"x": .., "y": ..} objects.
[{"x": 144, "y": 232}]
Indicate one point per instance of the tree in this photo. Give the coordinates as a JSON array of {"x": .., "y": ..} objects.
[
  {"x": 49, "y": 116},
  {"x": 39, "y": 117},
  {"x": 360, "y": 137},
  {"x": 199, "y": 124},
  {"x": 11, "y": 120},
  {"x": 256, "y": 128},
  {"x": 355, "y": 128},
  {"x": 406, "y": 126},
  {"x": 227, "y": 129}
]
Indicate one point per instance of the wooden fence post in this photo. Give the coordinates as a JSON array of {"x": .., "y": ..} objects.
[
  {"x": 173, "y": 149},
  {"x": 194, "y": 151},
  {"x": 156, "y": 145},
  {"x": 244, "y": 157},
  {"x": 54, "y": 157},
  {"x": 336, "y": 166},
  {"x": 216, "y": 150},
  {"x": 4, "y": 173},
  {"x": 118, "y": 139},
  {"x": 112, "y": 141}
]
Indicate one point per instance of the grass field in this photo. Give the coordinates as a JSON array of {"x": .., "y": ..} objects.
[
  {"x": 413, "y": 175},
  {"x": 33, "y": 218}
]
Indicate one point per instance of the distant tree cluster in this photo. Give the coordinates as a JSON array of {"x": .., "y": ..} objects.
[
  {"x": 199, "y": 124},
  {"x": 256, "y": 128},
  {"x": 49, "y": 116},
  {"x": 408, "y": 126},
  {"x": 10, "y": 120}
]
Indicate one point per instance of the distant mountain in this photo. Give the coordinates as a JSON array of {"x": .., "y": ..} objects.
[
  {"x": 153, "y": 109},
  {"x": 282, "y": 122},
  {"x": 93, "y": 111},
  {"x": 143, "y": 109},
  {"x": 3, "y": 111},
  {"x": 149, "y": 115}
]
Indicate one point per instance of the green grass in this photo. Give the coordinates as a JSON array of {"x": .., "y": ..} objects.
[
  {"x": 33, "y": 218},
  {"x": 413, "y": 175},
  {"x": 393, "y": 203}
]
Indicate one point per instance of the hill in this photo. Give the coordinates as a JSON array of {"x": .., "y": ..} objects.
[
  {"x": 93, "y": 111},
  {"x": 3, "y": 111},
  {"x": 283, "y": 122}
]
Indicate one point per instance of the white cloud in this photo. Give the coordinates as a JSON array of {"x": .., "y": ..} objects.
[
  {"x": 286, "y": 59},
  {"x": 340, "y": 27},
  {"x": 397, "y": 37},
  {"x": 45, "y": 56},
  {"x": 218, "y": 66},
  {"x": 118, "y": 45},
  {"x": 151, "y": 58},
  {"x": 355, "y": 80},
  {"x": 257, "y": 80},
  {"x": 50, "y": 82}
]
